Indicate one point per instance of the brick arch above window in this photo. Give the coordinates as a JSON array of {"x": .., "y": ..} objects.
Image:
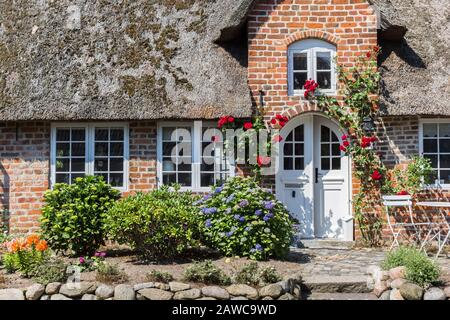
[{"x": 311, "y": 34}]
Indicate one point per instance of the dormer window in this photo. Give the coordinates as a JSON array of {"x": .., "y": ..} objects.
[{"x": 311, "y": 59}]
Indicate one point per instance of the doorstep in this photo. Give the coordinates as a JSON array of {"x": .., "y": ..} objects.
[{"x": 325, "y": 244}]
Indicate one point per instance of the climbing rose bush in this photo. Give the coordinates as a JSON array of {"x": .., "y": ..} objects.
[{"x": 241, "y": 219}]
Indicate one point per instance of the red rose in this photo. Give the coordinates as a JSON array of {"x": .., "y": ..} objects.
[
  {"x": 376, "y": 175},
  {"x": 373, "y": 139},
  {"x": 273, "y": 121},
  {"x": 369, "y": 55},
  {"x": 279, "y": 117},
  {"x": 346, "y": 143},
  {"x": 248, "y": 125},
  {"x": 222, "y": 122},
  {"x": 403, "y": 193},
  {"x": 230, "y": 119},
  {"x": 277, "y": 138},
  {"x": 306, "y": 94},
  {"x": 263, "y": 161},
  {"x": 343, "y": 149},
  {"x": 344, "y": 137},
  {"x": 376, "y": 49},
  {"x": 282, "y": 124},
  {"x": 285, "y": 119}
]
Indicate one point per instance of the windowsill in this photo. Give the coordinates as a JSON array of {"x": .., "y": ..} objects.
[
  {"x": 435, "y": 187},
  {"x": 302, "y": 93}
]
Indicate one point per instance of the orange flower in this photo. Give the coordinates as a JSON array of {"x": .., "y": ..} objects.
[
  {"x": 17, "y": 245},
  {"x": 32, "y": 240},
  {"x": 41, "y": 245}
]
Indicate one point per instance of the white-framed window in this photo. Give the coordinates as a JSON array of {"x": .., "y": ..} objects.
[
  {"x": 80, "y": 149},
  {"x": 187, "y": 155},
  {"x": 311, "y": 59},
  {"x": 435, "y": 145}
]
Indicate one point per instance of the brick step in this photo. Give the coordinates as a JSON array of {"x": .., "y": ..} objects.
[
  {"x": 341, "y": 296},
  {"x": 325, "y": 244},
  {"x": 335, "y": 284}
]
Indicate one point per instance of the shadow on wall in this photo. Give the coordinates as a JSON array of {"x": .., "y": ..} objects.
[{"x": 4, "y": 198}]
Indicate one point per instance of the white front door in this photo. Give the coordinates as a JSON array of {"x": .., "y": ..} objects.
[{"x": 313, "y": 178}]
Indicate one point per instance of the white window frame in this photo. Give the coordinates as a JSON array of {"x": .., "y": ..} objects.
[
  {"x": 90, "y": 146},
  {"x": 445, "y": 186},
  {"x": 196, "y": 129},
  {"x": 311, "y": 47}
]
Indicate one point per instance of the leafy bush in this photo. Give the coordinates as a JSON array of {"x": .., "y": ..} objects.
[
  {"x": 50, "y": 270},
  {"x": 206, "y": 272},
  {"x": 248, "y": 274},
  {"x": 240, "y": 218},
  {"x": 269, "y": 275},
  {"x": 24, "y": 254},
  {"x": 419, "y": 268},
  {"x": 159, "y": 224},
  {"x": 411, "y": 179},
  {"x": 159, "y": 276},
  {"x": 73, "y": 216},
  {"x": 110, "y": 273}
]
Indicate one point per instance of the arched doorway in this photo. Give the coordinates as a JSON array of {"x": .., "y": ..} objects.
[{"x": 313, "y": 180}]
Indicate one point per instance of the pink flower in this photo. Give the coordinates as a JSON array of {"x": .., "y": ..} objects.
[{"x": 82, "y": 260}]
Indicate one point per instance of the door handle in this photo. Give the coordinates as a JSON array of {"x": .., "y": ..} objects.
[{"x": 316, "y": 173}]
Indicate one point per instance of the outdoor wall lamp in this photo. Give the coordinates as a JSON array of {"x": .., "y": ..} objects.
[{"x": 368, "y": 125}]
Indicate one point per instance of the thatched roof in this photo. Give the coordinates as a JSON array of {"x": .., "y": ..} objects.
[
  {"x": 416, "y": 70},
  {"x": 120, "y": 59}
]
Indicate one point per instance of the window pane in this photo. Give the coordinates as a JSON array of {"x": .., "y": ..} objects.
[
  {"x": 288, "y": 164},
  {"x": 184, "y": 179},
  {"x": 168, "y": 147},
  {"x": 445, "y": 161},
  {"x": 167, "y": 133},
  {"x": 434, "y": 160},
  {"x": 101, "y": 134},
  {"x": 299, "y": 149},
  {"x": 62, "y": 134},
  {"x": 336, "y": 163},
  {"x": 207, "y": 179},
  {"x": 299, "y": 164},
  {"x": 78, "y": 149},
  {"x": 445, "y": 175},
  {"x": 324, "y": 134},
  {"x": 301, "y": 61},
  {"x": 444, "y": 145},
  {"x": 78, "y": 164},
  {"x": 117, "y": 134},
  {"x": 62, "y": 178},
  {"x": 324, "y": 79},
  {"x": 444, "y": 130},
  {"x": 290, "y": 137},
  {"x": 101, "y": 149},
  {"x": 208, "y": 165},
  {"x": 323, "y": 60},
  {"x": 299, "y": 80},
  {"x": 299, "y": 134},
  {"x": 78, "y": 135},
  {"x": 325, "y": 164},
  {"x": 288, "y": 149},
  {"x": 116, "y": 149},
  {"x": 185, "y": 167},
  {"x": 101, "y": 164},
  {"x": 62, "y": 165},
  {"x": 169, "y": 178},
  {"x": 63, "y": 149},
  {"x": 116, "y": 164},
  {"x": 430, "y": 145},
  {"x": 430, "y": 130},
  {"x": 335, "y": 150},
  {"x": 103, "y": 175},
  {"x": 325, "y": 150},
  {"x": 75, "y": 176},
  {"x": 168, "y": 165},
  {"x": 116, "y": 179}
]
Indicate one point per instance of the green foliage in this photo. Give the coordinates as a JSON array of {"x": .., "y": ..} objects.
[
  {"x": 159, "y": 224},
  {"x": 248, "y": 274},
  {"x": 50, "y": 270},
  {"x": 159, "y": 276},
  {"x": 110, "y": 273},
  {"x": 242, "y": 219},
  {"x": 73, "y": 215},
  {"x": 206, "y": 272},
  {"x": 269, "y": 275},
  {"x": 419, "y": 268},
  {"x": 9, "y": 262},
  {"x": 411, "y": 180}
]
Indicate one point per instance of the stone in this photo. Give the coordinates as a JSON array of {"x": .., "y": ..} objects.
[
  {"x": 73, "y": 21},
  {"x": 267, "y": 298},
  {"x": 156, "y": 294},
  {"x": 411, "y": 291},
  {"x": 286, "y": 285},
  {"x": 447, "y": 292},
  {"x": 397, "y": 273},
  {"x": 45, "y": 297},
  {"x": 239, "y": 298},
  {"x": 145, "y": 285},
  {"x": 206, "y": 298},
  {"x": 287, "y": 296},
  {"x": 88, "y": 296},
  {"x": 178, "y": 286},
  {"x": 215, "y": 292},
  {"x": 380, "y": 287},
  {"x": 104, "y": 292},
  {"x": 77, "y": 290},
  {"x": 52, "y": 288},
  {"x": 297, "y": 291},
  {"x": 124, "y": 292},
  {"x": 434, "y": 293},
  {"x": 373, "y": 270},
  {"x": 243, "y": 290},
  {"x": 385, "y": 295},
  {"x": 272, "y": 290},
  {"x": 190, "y": 294},
  {"x": 397, "y": 283},
  {"x": 162, "y": 286},
  {"x": 384, "y": 275},
  {"x": 395, "y": 295},
  {"x": 59, "y": 296},
  {"x": 35, "y": 291},
  {"x": 11, "y": 294}
]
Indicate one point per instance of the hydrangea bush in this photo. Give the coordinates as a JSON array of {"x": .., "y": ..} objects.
[{"x": 240, "y": 218}]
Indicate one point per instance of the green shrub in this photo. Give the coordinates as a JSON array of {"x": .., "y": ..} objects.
[
  {"x": 206, "y": 272},
  {"x": 73, "y": 215},
  {"x": 240, "y": 218},
  {"x": 160, "y": 224},
  {"x": 248, "y": 274},
  {"x": 159, "y": 276},
  {"x": 110, "y": 273},
  {"x": 9, "y": 262},
  {"x": 419, "y": 268},
  {"x": 50, "y": 270},
  {"x": 269, "y": 275}
]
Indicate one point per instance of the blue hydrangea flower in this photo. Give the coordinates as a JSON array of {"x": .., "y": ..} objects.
[
  {"x": 209, "y": 210},
  {"x": 218, "y": 190},
  {"x": 228, "y": 211},
  {"x": 258, "y": 212},
  {"x": 243, "y": 203},
  {"x": 208, "y": 223},
  {"x": 230, "y": 198},
  {"x": 206, "y": 197},
  {"x": 258, "y": 247},
  {"x": 229, "y": 234},
  {"x": 269, "y": 205},
  {"x": 196, "y": 203},
  {"x": 242, "y": 219},
  {"x": 266, "y": 218},
  {"x": 237, "y": 217},
  {"x": 247, "y": 229}
]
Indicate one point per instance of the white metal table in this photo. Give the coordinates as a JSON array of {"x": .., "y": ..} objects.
[{"x": 445, "y": 222}]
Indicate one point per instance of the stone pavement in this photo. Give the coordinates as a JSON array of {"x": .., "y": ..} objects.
[{"x": 345, "y": 262}]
